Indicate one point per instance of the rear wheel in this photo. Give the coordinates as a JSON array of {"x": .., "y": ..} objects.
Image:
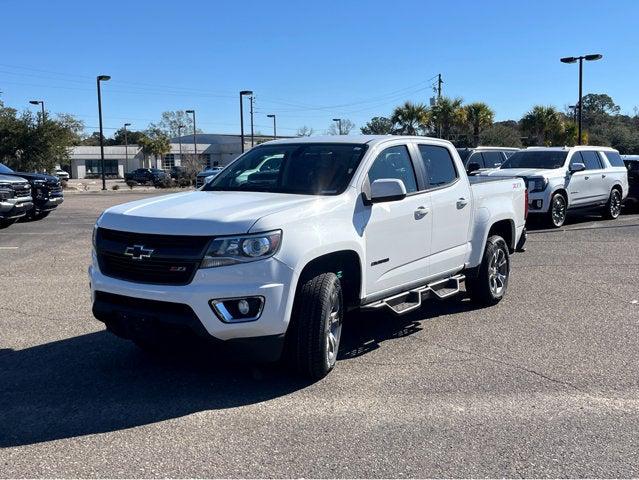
[
  {"x": 557, "y": 211},
  {"x": 489, "y": 286},
  {"x": 613, "y": 206},
  {"x": 316, "y": 326}
]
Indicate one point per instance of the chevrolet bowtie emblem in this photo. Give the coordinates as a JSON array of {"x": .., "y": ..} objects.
[{"x": 138, "y": 252}]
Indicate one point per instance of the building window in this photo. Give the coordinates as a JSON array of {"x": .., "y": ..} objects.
[
  {"x": 168, "y": 161},
  {"x": 94, "y": 168}
]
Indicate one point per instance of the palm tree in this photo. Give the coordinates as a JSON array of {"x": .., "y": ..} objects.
[
  {"x": 155, "y": 142},
  {"x": 541, "y": 125},
  {"x": 410, "y": 118},
  {"x": 447, "y": 115},
  {"x": 479, "y": 116}
]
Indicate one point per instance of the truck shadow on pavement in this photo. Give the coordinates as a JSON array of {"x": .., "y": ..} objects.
[{"x": 97, "y": 383}]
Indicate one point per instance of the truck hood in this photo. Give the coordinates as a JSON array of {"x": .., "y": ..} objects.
[
  {"x": 525, "y": 172},
  {"x": 199, "y": 213}
]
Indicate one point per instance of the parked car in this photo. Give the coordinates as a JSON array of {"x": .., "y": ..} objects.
[
  {"x": 569, "y": 178},
  {"x": 61, "y": 174},
  {"x": 177, "y": 172},
  {"x": 480, "y": 159},
  {"x": 145, "y": 176},
  {"x": 632, "y": 164},
  {"x": 270, "y": 263},
  {"x": 15, "y": 199},
  {"x": 206, "y": 175},
  {"x": 46, "y": 191}
]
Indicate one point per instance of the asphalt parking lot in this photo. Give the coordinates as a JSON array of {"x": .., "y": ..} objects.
[{"x": 546, "y": 384}]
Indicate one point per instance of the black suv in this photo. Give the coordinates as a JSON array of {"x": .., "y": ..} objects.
[
  {"x": 146, "y": 175},
  {"x": 484, "y": 158},
  {"x": 632, "y": 164},
  {"x": 46, "y": 191}
]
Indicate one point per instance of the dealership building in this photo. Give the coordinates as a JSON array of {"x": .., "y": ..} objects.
[{"x": 212, "y": 150}]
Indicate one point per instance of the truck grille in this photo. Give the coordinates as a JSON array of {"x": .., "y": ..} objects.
[
  {"x": 21, "y": 190},
  {"x": 149, "y": 258}
]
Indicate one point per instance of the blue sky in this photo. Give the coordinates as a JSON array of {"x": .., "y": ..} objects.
[{"x": 309, "y": 62}]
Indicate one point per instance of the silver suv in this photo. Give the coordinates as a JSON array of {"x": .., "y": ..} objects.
[{"x": 569, "y": 178}]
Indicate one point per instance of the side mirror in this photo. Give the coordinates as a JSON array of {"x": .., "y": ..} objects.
[
  {"x": 387, "y": 190},
  {"x": 577, "y": 167},
  {"x": 473, "y": 167}
]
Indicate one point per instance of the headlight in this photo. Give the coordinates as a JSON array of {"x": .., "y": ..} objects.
[
  {"x": 537, "y": 184},
  {"x": 241, "y": 249}
]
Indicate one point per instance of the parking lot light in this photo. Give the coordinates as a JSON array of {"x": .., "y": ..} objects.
[
  {"x": 339, "y": 124},
  {"x": 101, "y": 78},
  {"x": 588, "y": 58},
  {"x": 192, "y": 112},
  {"x": 41, "y": 103},
  {"x": 242, "y": 94},
  {"x": 270, "y": 115}
]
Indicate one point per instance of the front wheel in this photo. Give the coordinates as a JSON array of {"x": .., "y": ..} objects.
[
  {"x": 557, "y": 210},
  {"x": 7, "y": 222},
  {"x": 316, "y": 326},
  {"x": 489, "y": 286},
  {"x": 613, "y": 206}
]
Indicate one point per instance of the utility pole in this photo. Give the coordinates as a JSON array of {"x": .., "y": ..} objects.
[
  {"x": 126, "y": 147},
  {"x": 180, "y": 127},
  {"x": 252, "y": 134},
  {"x": 439, "y": 86},
  {"x": 101, "y": 78}
]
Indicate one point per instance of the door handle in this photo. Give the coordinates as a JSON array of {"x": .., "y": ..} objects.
[
  {"x": 421, "y": 212},
  {"x": 586, "y": 178},
  {"x": 462, "y": 202},
  {"x": 603, "y": 175}
]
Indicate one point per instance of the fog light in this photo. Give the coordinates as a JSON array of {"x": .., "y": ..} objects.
[
  {"x": 243, "y": 307},
  {"x": 235, "y": 310}
]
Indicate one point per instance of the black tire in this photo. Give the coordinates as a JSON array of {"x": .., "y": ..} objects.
[
  {"x": 33, "y": 216},
  {"x": 557, "y": 210},
  {"x": 612, "y": 210},
  {"x": 316, "y": 326},
  {"x": 489, "y": 286}
]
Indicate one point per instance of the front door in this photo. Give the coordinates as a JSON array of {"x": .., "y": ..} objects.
[{"x": 397, "y": 233}]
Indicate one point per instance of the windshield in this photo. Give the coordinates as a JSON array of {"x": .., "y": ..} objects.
[
  {"x": 306, "y": 169},
  {"x": 536, "y": 159},
  {"x": 5, "y": 169}
]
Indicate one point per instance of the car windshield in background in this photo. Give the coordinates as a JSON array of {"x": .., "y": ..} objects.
[
  {"x": 5, "y": 169},
  {"x": 536, "y": 159},
  {"x": 307, "y": 169}
]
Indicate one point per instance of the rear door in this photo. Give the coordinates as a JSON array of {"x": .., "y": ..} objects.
[
  {"x": 596, "y": 177},
  {"x": 397, "y": 233},
  {"x": 583, "y": 187},
  {"x": 451, "y": 208}
]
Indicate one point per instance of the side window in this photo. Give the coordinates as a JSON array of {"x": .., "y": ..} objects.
[
  {"x": 493, "y": 159},
  {"x": 591, "y": 160},
  {"x": 615, "y": 159},
  {"x": 438, "y": 165},
  {"x": 576, "y": 158},
  {"x": 475, "y": 158},
  {"x": 394, "y": 162}
]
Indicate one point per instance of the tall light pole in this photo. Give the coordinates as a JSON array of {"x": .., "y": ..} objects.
[
  {"x": 101, "y": 78},
  {"x": 588, "y": 58},
  {"x": 126, "y": 146},
  {"x": 339, "y": 124},
  {"x": 41, "y": 103},
  {"x": 270, "y": 115},
  {"x": 180, "y": 127},
  {"x": 252, "y": 135},
  {"x": 242, "y": 93},
  {"x": 194, "y": 139}
]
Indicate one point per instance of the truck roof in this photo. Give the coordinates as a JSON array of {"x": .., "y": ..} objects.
[
  {"x": 352, "y": 139},
  {"x": 576, "y": 147}
]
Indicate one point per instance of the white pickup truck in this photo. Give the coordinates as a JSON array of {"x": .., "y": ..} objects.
[{"x": 271, "y": 261}]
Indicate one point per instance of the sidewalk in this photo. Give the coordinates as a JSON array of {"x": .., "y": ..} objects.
[{"x": 93, "y": 185}]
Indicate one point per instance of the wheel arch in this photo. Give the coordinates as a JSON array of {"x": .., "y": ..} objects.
[{"x": 346, "y": 264}]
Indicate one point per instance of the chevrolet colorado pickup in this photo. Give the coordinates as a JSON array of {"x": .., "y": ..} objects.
[
  {"x": 15, "y": 199},
  {"x": 46, "y": 191},
  {"x": 569, "y": 178},
  {"x": 271, "y": 261}
]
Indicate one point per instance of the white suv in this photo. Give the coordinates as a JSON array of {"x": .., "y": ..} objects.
[{"x": 566, "y": 178}]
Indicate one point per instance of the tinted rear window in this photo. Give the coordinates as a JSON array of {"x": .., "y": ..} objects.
[{"x": 614, "y": 158}]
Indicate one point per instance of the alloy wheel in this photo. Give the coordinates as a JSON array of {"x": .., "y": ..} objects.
[
  {"x": 615, "y": 204},
  {"x": 333, "y": 331},
  {"x": 558, "y": 210},
  {"x": 498, "y": 272}
]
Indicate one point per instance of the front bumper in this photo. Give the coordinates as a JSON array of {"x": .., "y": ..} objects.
[
  {"x": 15, "y": 208},
  {"x": 268, "y": 278},
  {"x": 48, "y": 204}
]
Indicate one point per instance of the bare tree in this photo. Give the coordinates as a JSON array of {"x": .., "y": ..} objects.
[
  {"x": 304, "y": 131},
  {"x": 192, "y": 166},
  {"x": 347, "y": 126}
]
